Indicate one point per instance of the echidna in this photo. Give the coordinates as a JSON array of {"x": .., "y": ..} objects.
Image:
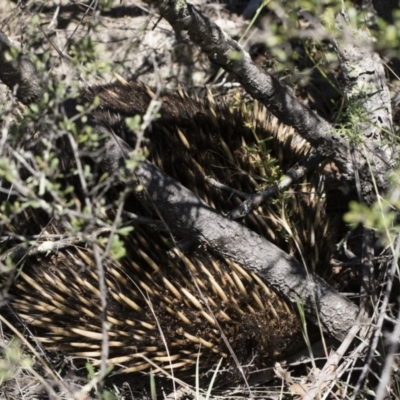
[{"x": 168, "y": 311}]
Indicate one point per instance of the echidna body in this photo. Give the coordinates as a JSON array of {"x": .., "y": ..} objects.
[{"x": 168, "y": 310}]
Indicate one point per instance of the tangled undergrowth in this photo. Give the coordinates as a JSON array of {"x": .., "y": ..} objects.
[{"x": 170, "y": 307}]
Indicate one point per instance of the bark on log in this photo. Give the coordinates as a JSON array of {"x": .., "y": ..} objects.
[
  {"x": 187, "y": 215},
  {"x": 368, "y": 97}
]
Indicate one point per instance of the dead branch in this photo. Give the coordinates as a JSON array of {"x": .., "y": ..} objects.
[
  {"x": 262, "y": 86},
  {"x": 279, "y": 99},
  {"x": 256, "y": 199}
]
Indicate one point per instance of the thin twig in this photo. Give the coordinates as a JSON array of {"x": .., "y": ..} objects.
[
  {"x": 393, "y": 341},
  {"x": 103, "y": 301},
  {"x": 226, "y": 188},
  {"x": 258, "y": 198},
  {"x": 381, "y": 318},
  {"x": 46, "y": 247},
  {"x": 140, "y": 220}
]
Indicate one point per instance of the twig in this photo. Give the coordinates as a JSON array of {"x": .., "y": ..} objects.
[
  {"x": 327, "y": 375},
  {"x": 20, "y": 238},
  {"x": 134, "y": 219},
  {"x": 258, "y": 198},
  {"x": 227, "y": 188},
  {"x": 367, "y": 292},
  {"x": 19, "y": 251},
  {"x": 103, "y": 302},
  {"x": 381, "y": 318},
  {"x": 139, "y": 220},
  {"x": 393, "y": 340}
]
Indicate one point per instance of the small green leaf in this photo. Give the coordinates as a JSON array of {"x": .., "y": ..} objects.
[{"x": 125, "y": 231}]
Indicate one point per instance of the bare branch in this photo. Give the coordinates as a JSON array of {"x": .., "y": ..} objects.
[
  {"x": 291, "y": 176},
  {"x": 262, "y": 86}
]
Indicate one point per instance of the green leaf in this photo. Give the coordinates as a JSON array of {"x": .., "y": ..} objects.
[{"x": 125, "y": 231}]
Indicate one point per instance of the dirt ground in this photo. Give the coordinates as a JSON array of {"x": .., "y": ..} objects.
[{"x": 129, "y": 37}]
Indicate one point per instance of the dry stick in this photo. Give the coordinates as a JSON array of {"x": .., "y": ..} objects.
[
  {"x": 393, "y": 341},
  {"x": 103, "y": 303},
  {"x": 98, "y": 261},
  {"x": 226, "y": 188},
  {"x": 381, "y": 318},
  {"x": 350, "y": 360},
  {"x": 333, "y": 361},
  {"x": 49, "y": 370},
  {"x": 19, "y": 238},
  {"x": 48, "y": 246},
  {"x": 367, "y": 267},
  {"x": 327, "y": 375},
  {"x": 263, "y": 87},
  {"x": 20, "y": 251},
  {"x": 105, "y": 350},
  {"x": 134, "y": 219},
  {"x": 258, "y": 198}
]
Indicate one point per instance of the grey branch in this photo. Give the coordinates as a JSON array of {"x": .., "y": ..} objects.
[
  {"x": 262, "y": 86},
  {"x": 255, "y": 200},
  {"x": 187, "y": 215}
]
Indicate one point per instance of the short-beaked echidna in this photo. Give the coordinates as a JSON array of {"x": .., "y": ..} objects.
[{"x": 168, "y": 310}]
